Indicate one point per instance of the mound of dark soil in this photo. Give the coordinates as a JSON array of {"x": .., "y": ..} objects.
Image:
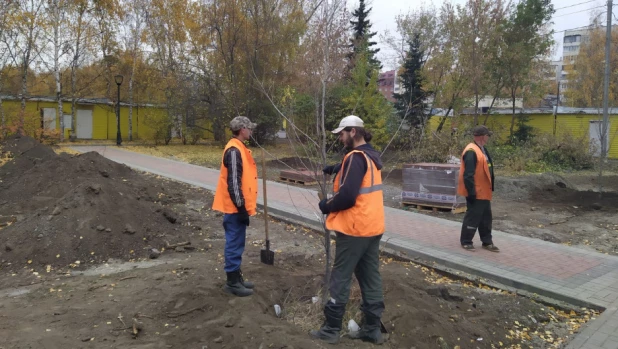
[
  {"x": 587, "y": 200},
  {"x": 88, "y": 208}
]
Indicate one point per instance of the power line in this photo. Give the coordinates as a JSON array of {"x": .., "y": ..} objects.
[
  {"x": 572, "y": 13},
  {"x": 584, "y": 27},
  {"x": 581, "y": 3},
  {"x": 589, "y": 26}
]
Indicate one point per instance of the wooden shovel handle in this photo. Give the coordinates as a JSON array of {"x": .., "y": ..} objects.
[{"x": 264, "y": 190}]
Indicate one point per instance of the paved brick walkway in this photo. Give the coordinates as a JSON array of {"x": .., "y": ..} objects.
[{"x": 570, "y": 274}]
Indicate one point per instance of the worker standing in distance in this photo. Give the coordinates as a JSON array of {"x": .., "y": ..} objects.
[{"x": 476, "y": 183}]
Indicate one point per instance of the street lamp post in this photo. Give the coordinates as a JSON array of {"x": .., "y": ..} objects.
[{"x": 118, "y": 79}]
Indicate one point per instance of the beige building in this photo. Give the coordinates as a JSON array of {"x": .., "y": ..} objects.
[{"x": 571, "y": 43}]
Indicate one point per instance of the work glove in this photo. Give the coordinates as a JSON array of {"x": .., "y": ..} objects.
[
  {"x": 471, "y": 198},
  {"x": 243, "y": 215},
  {"x": 324, "y": 207},
  {"x": 331, "y": 170}
]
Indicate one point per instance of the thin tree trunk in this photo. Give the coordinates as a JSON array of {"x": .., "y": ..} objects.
[
  {"x": 327, "y": 242},
  {"x": 74, "y": 67},
  {"x": 476, "y": 108},
  {"x": 131, "y": 102},
  {"x": 59, "y": 112},
  {"x": 73, "y": 102},
  {"x": 443, "y": 119},
  {"x": 489, "y": 109},
  {"x": 74, "y": 94},
  {"x": 24, "y": 92},
  {"x": 513, "y": 117},
  {"x": 2, "y": 108},
  {"x": 476, "y": 84}
]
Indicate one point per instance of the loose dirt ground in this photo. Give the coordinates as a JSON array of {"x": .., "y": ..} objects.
[{"x": 78, "y": 230}]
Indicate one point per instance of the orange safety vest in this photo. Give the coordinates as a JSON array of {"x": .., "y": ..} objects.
[
  {"x": 482, "y": 176},
  {"x": 366, "y": 217},
  {"x": 249, "y": 183}
]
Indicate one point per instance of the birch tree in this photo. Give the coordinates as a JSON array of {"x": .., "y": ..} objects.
[
  {"x": 4, "y": 24},
  {"x": 106, "y": 16},
  {"x": 56, "y": 21},
  {"x": 166, "y": 22},
  {"x": 80, "y": 46},
  {"x": 321, "y": 65},
  {"x": 134, "y": 26},
  {"x": 23, "y": 43}
]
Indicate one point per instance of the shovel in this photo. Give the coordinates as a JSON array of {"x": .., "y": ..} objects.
[{"x": 266, "y": 256}]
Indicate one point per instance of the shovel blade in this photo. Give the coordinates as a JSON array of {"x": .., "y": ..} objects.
[
  {"x": 267, "y": 257},
  {"x": 383, "y": 328}
]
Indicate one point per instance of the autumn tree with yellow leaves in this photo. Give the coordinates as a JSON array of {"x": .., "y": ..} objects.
[{"x": 586, "y": 75}]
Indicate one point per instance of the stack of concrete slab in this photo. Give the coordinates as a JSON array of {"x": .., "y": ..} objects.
[{"x": 432, "y": 186}]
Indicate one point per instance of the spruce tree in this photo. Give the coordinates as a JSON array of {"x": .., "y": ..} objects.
[
  {"x": 410, "y": 103},
  {"x": 362, "y": 35}
]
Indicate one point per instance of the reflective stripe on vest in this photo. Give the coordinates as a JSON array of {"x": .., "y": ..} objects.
[{"x": 370, "y": 189}]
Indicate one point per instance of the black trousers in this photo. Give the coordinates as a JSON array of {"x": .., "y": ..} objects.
[
  {"x": 359, "y": 256},
  {"x": 478, "y": 216}
]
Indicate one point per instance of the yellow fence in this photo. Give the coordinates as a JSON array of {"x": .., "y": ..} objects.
[
  {"x": 577, "y": 125},
  {"x": 101, "y": 117}
]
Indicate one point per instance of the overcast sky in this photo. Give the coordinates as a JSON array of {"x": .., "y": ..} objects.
[{"x": 569, "y": 14}]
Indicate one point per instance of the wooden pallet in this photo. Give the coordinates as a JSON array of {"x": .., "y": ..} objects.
[
  {"x": 297, "y": 181},
  {"x": 435, "y": 208},
  {"x": 300, "y": 176}
]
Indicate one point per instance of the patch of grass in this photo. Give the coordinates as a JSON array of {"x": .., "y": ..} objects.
[
  {"x": 207, "y": 155},
  {"x": 305, "y": 314},
  {"x": 68, "y": 143},
  {"x": 64, "y": 149},
  {"x": 5, "y": 156}
]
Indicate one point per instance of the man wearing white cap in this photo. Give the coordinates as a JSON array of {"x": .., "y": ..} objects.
[{"x": 356, "y": 214}]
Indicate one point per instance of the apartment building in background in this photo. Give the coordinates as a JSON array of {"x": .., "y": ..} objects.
[
  {"x": 571, "y": 44},
  {"x": 388, "y": 83}
]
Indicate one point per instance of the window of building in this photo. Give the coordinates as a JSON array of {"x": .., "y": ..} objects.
[{"x": 572, "y": 38}]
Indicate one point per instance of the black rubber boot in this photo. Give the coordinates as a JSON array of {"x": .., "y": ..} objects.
[
  {"x": 371, "y": 329},
  {"x": 329, "y": 332},
  {"x": 370, "y": 332},
  {"x": 247, "y": 284},
  {"x": 234, "y": 286}
]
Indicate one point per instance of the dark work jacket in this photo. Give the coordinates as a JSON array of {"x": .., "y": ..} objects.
[
  {"x": 346, "y": 196},
  {"x": 233, "y": 162}
]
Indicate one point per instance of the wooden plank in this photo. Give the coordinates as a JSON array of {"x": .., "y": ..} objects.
[
  {"x": 303, "y": 177},
  {"x": 297, "y": 181},
  {"x": 434, "y": 208}
]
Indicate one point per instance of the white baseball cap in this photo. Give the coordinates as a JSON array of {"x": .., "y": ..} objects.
[{"x": 349, "y": 121}]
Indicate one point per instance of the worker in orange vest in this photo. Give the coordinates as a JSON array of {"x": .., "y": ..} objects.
[
  {"x": 476, "y": 183},
  {"x": 236, "y": 197},
  {"x": 356, "y": 214}
]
